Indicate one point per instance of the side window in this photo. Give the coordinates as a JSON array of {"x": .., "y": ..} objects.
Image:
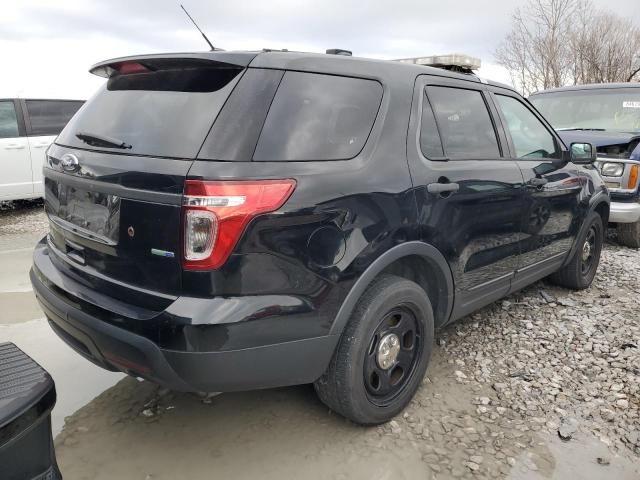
[
  {"x": 318, "y": 117},
  {"x": 530, "y": 137},
  {"x": 8, "y": 120},
  {"x": 465, "y": 125},
  {"x": 48, "y": 117},
  {"x": 430, "y": 143}
]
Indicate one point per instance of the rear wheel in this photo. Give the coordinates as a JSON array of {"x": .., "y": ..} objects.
[
  {"x": 382, "y": 355},
  {"x": 629, "y": 234},
  {"x": 581, "y": 269}
]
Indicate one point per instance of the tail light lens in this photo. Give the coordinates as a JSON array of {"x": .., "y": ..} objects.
[{"x": 216, "y": 213}]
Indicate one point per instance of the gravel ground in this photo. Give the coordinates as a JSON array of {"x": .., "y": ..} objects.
[
  {"x": 504, "y": 385},
  {"x": 23, "y": 217},
  {"x": 555, "y": 357}
]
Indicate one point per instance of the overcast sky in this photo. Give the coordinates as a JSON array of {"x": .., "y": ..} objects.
[{"x": 48, "y": 45}]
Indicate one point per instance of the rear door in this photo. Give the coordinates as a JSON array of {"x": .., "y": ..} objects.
[
  {"x": 552, "y": 189},
  {"x": 115, "y": 177},
  {"x": 467, "y": 189},
  {"x": 15, "y": 163},
  {"x": 44, "y": 120}
]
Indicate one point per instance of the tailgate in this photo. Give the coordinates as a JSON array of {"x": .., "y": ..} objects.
[
  {"x": 114, "y": 221},
  {"x": 115, "y": 177}
]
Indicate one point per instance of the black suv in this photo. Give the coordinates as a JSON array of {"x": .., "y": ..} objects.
[{"x": 237, "y": 220}]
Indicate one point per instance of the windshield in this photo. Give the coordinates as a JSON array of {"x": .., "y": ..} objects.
[{"x": 616, "y": 109}]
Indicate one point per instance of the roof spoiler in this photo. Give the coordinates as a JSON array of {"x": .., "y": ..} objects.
[{"x": 141, "y": 63}]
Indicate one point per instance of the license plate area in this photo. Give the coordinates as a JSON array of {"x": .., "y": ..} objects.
[{"x": 90, "y": 214}]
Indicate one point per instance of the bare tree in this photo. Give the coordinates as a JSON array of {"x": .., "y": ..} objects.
[
  {"x": 558, "y": 42},
  {"x": 535, "y": 51}
]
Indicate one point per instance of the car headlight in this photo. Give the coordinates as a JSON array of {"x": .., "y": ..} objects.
[{"x": 612, "y": 169}]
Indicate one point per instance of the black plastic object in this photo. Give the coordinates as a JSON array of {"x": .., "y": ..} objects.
[{"x": 27, "y": 396}]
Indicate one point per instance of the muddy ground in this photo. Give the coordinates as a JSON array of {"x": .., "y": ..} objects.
[{"x": 495, "y": 395}]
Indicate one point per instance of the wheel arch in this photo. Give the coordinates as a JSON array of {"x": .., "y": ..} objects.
[{"x": 416, "y": 261}]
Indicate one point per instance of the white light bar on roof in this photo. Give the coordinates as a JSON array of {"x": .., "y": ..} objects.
[{"x": 452, "y": 60}]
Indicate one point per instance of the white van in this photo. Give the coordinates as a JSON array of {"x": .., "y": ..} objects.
[{"x": 27, "y": 128}]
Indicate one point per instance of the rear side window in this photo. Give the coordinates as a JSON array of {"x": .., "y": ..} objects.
[
  {"x": 8, "y": 120},
  {"x": 464, "y": 122},
  {"x": 48, "y": 117},
  {"x": 318, "y": 117},
  {"x": 165, "y": 111},
  {"x": 430, "y": 143}
]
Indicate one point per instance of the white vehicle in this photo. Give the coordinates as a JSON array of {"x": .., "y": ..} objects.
[{"x": 27, "y": 128}]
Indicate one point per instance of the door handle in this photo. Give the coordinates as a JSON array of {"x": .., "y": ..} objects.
[
  {"x": 440, "y": 188},
  {"x": 41, "y": 145},
  {"x": 13, "y": 146}
]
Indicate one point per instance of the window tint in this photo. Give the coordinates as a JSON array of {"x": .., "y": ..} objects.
[
  {"x": 318, "y": 117},
  {"x": 146, "y": 113},
  {"x": 48, "y": 117},
  {"x": 8, "y": 120},
  {"x": 530, "y": 137},
  {"x": 430, "y": 143},
  {"x": 464, "y": 122},
  {"x": 235, "y": 133}
]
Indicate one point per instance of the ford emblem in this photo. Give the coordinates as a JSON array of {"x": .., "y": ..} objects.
[{"x": 69, "y": 162}]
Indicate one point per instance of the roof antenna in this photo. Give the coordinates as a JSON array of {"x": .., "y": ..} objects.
[{"x": 196, "y": 25}]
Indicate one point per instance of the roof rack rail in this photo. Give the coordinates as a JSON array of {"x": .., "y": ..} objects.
[{"x": 455, "y": 62}]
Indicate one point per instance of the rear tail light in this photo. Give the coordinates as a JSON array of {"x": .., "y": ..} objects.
[{"x": 216, "y": 214}]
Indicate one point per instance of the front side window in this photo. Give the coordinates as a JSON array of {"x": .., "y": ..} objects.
[
  {"x": 464, "y": 122},
  {"x": 8, "y": 120},
  {"x": 318, "y": 117},
  {"x": 530, "y": 137}
]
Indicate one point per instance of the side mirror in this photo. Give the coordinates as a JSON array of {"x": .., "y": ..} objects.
[{"x": 582, "y": 153}]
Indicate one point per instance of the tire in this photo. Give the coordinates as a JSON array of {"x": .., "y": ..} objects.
[
  {"x": 355, "y": 384},
  {"x": 629, "y": 234},
  {"x": 581, "y": 269}
]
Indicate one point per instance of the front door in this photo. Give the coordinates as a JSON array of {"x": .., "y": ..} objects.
[
  {"x": 468, "y": 191},
  {"x": 15, "y": 160},
  {"x": 552, "y": 190}
]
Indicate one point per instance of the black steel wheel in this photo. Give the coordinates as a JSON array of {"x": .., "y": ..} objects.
[
  {"x": 392, "y": 355},
  {"x": 382, "y": 354},
  {"x": 589, "y": 250},
  {"x": 581, "y": 268}
]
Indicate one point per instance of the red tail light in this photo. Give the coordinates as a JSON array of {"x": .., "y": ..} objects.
[
  {"x": 216, "y": 213},
  {"x": 125, "y": 68}
]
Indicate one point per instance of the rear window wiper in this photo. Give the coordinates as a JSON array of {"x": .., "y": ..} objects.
[{"x": 101, "y": 141}]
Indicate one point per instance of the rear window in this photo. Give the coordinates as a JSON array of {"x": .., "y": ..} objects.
[
  {"x": 318, "y": 117},
  {"x": 166, "y": 111},
  {"x": 48, "y": 117},
  {"x": 8, "y": 120},
  {"x": 464, "y": 123}
]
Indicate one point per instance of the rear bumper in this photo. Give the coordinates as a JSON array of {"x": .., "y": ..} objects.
[
  {"x": 624, "y": 212},
  {"x": 119, "y": 349}
]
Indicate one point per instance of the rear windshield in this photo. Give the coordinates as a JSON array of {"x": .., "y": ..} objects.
[{"x": 165, "y": 112}]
